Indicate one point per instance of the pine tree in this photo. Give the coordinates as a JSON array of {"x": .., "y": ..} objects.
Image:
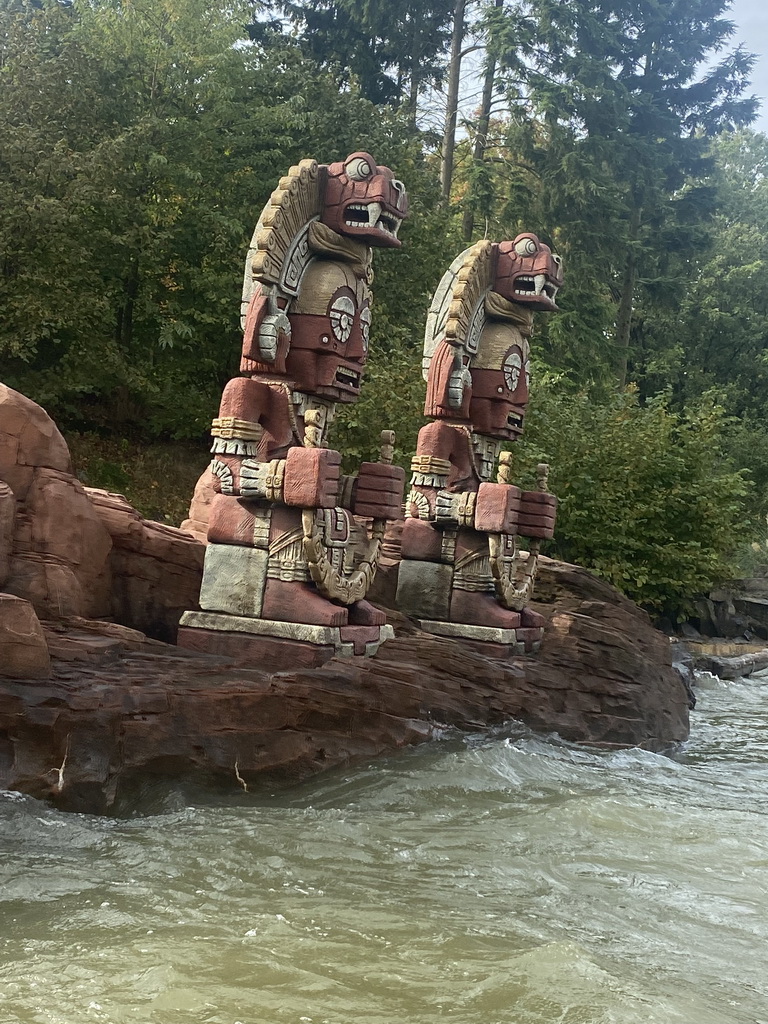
[{"x": 614, "y": 119}]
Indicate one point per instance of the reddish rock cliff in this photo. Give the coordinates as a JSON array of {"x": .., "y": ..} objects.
[{"x": 117, "y": 708}]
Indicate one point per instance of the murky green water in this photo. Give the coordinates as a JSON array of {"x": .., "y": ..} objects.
[{"x": 509, "y": 880}]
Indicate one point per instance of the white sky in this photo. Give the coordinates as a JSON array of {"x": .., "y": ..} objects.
[{"x": 751, "y": 19}]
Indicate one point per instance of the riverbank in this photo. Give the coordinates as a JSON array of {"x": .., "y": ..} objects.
[
  {"x": 89, "y": 705},
  {"x": 119, "y": 708}
]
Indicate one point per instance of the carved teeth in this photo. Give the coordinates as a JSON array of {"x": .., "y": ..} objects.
[
  {"x": 345, "y": 376},
  {"x": 374, "y": 218},
  {"x": 538, "y": 285},
  {"x": 374, "y": 213}
]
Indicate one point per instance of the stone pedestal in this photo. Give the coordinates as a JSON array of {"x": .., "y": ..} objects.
[
  {"x": 488, "y": 640},
  {"x": 271, "y": 645}
]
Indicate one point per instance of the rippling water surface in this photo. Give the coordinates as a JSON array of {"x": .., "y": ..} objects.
[{"x": 508, "y": 880}]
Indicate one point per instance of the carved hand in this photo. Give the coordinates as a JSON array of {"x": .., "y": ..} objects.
[
  {"x": 312, "y": 477},
  {"x": 455, "y": 509},
  {"x": 378, "y": 491},
  {"x": 497, "y": 508},
  {"x": 538, "y": 511}
]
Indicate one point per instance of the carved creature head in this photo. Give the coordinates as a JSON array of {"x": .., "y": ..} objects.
[
  {"x": 329, "y": 339},
  {"x": 476, "y": 342},
  {"x": 528, "y": 272},
  {"x": 364, "y": 201}
]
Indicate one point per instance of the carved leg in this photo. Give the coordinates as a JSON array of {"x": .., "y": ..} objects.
[
  {"x": 478, "y": 609},
  {"x": 300, "y": 602},
  {"x": 361, "y": 613}
]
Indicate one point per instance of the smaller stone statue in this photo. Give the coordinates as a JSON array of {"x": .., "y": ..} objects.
[
  {"x": 471, "y": 538},
  {"x": 289, "y": 562}
]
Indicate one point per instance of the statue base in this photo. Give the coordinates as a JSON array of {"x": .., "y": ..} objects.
[
  {"x": 274, "y": 645},
  {"x": 492, "y": 641}
]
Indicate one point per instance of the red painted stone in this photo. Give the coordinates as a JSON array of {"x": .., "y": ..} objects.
[
  {"x": 481, "y": 610},
  {"x": 496, "y": 510},
  {"x": 268, "y": 654},
  {"x": 312, "y": 477},
  {"x": 420, "y": 541},
  {"x": 290, "y": 601},
  {"x": 230, "y": 521}
]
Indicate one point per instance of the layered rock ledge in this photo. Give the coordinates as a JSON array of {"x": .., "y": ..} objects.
[
  {"x": 90, "y": 705},
  {"x": 119, "y": 708}
]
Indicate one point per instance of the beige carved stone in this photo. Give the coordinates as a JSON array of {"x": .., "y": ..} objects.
[{"x": 233, "y": 579}]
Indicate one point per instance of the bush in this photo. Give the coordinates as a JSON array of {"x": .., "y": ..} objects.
[{"x": 647, "y": 497}]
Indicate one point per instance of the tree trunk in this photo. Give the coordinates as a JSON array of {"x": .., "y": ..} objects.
[
  {"x": 452, "y": 103},
  {"x": 624, "y": 316},
  {"x": 125, "y": 313},
  {"x": 481, "y": 139}
]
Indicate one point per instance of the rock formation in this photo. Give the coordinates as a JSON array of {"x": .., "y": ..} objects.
[
  {"x": 90, "y": 708},
  {"x": 67, "y": 550},
  {"x": 120, "y": 710}
]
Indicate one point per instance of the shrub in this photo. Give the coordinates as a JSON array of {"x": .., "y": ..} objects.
[{"x": 647, "y": 497}]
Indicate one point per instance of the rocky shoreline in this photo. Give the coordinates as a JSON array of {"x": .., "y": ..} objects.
[{"x": 90, "y": 704}]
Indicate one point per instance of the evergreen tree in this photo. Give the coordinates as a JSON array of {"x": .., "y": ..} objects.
[
  {"x": 614, "y": 121},
  {"x": 391, "y": 51}
]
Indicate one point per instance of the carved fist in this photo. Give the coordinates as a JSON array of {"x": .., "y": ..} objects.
[
  {"x": 378, "y": 491},
  {"x": 455, "y": 509},
  {"x": 538, "y": 510},
  {"x": 497, "y": 508},
  {"x": 312, "y": 477}
]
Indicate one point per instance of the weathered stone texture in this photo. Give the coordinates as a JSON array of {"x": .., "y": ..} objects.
[
  {"x": 130, "y": 708},
  {"x": 23, "y": 650},
  {"x": 59, "y": 548},
  {"x": 153, "y": 570},
  {"x": 7, "y": 516},
  {"x": 199, "y": 509},
  {"x": 73, "y": 551}
]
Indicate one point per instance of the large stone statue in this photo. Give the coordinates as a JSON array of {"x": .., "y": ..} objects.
[
  {"x": 287, "y": 567},
  {"x": 470, "y": 542}
]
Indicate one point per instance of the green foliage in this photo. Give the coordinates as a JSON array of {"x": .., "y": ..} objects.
[
  {"x": 392, "y": 399},
  {"x": 157, "y": 479},
  {"x": 647, "y": 497},
  {"x": 390, "y": 50},
  {"x": 139, "y": 141},
  {"x": 138, "y": 144},
  {"x": 609, "y": 132}
]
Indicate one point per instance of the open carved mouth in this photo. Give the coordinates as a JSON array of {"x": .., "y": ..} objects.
[
  {"x": 373, "y": 217},
  {"x": 515, "y": 421},
  {"x": 347, "y": 377},
  {"x": 534, "y": 286}
]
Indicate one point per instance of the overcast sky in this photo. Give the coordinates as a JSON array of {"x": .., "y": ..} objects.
[{"x": 751, "y": 18}]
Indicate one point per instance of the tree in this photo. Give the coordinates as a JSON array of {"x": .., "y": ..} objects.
[
  {"x": 647, "y": 497},
  {"x": 391, "y": 51},
  {"x": 137, "y": 145},
  {"x": 615, "y": 120}
]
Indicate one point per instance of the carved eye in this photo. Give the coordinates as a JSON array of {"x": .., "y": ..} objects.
[
  {"x": 513, "y": 364},
  {"x": 342, "y": 315},
  {"x": 358, "y": 169},
  {"x": 525, "y": 247}
]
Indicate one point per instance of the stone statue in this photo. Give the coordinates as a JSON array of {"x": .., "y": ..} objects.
[
  {"x": 470, "y": 543},
  {"x": 287, "y": 567}
]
